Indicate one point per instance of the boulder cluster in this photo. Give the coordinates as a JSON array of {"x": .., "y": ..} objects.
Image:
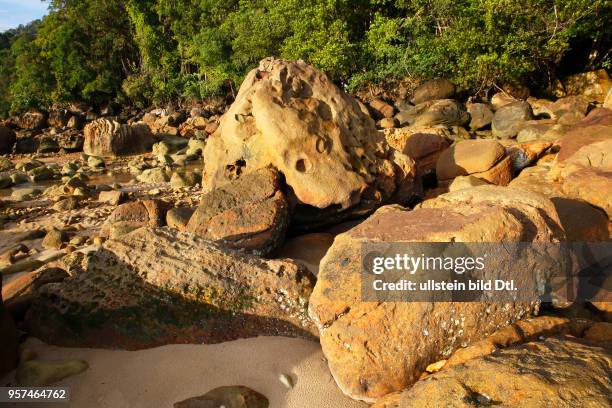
[{"x": 265, "y": 237}]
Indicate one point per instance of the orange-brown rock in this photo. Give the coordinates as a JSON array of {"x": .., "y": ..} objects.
[
  {"x": 374, "y": 348},
  {"x": 432, "y": 90},
  {"x": 104, "y": 137},
  {"x": 472, "y": 156},
  {"x": 250, "y": 213},
  {"x": 157, "y": 286},
  {"x": 136, "y": 214},
  {"x": 592, "y": 85},
  {"x": 557, "y": 372},
  {"x": 423, "y": 144},
  {"x": 326, "y": 145}
]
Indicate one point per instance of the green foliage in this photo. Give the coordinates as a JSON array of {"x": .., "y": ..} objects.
[{"x": 156, "y": 51}]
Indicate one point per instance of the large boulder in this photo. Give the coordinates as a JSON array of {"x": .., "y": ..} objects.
[
  {"x": 249, "y": 213},
  {"x": 7, "y": 140},
  {"x": 104, "y": 137},
  {"x": 510, "y": 119},
  {"x": 159, "y": 286},
  {"x": 481, "y": 158},
  {"x": 557, "y": 372},
  {"x": 431, "y": 90},
  {"x": 8, "y": 339},
  {"x": 326, "y": 145},
  {"x": 374, "y": 348}
]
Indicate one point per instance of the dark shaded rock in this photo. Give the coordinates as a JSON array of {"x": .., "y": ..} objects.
[
  {"x": 58, "y": 118},
  {"x": 8, "y": 339},
  {"x": 7, "y": 140},
  {"x": 249, "y": 213},
  {"x": 158, "y": 286},
  {"x": 229, "y": 397},
  {"x": 33, "y": 120}
]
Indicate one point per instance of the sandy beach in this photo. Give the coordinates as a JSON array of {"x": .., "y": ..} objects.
[{"x": 161, "y": 376}]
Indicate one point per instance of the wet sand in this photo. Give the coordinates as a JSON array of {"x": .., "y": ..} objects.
[{"x": 161, "y": 376}]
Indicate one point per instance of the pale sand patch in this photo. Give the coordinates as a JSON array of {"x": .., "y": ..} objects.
[{"x": 164, "y": 375}]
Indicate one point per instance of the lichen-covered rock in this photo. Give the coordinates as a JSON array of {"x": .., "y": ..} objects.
[
  {"x": 7, "y": 140},
  {"x": 326, "y": 145},
  {"x": 557, "y": 372},
  {"x": 104, "y": 137},
  {"x": 374, "y": 348},
  {"x": 250, "y": 213},
  {"x": 158, "y": 286}
]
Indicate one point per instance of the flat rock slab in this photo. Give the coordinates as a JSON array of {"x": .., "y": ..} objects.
[{"x": 158, "y": 286}]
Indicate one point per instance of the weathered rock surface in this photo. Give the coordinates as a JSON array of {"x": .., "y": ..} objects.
[
  {"x": 7, "y": 140},
  {"x": 480, "y": 115},
  {"x": 8, "y": 339},
  {"x": 104, "y": 137},
  {"x": 135, "y": 214},
  {"x": 374, "y": 348},
  {"x": 446, "y": 112},
  {"x": 249, "y": 213},
  {"x": 326, "y": 146},
  {"x": 229, "y": 397},
  {"x": 422, "y": 144},
  {"x": 158, "y": 286},
  {"x": 480, "y": 157},
  {"x": 557, "y": 372},
  {"x": 33, "y": 120},
  {"x": 509, "y": 119},
  {"x": 431, "y": 90},
  {"x": 593, "y": 85}
]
